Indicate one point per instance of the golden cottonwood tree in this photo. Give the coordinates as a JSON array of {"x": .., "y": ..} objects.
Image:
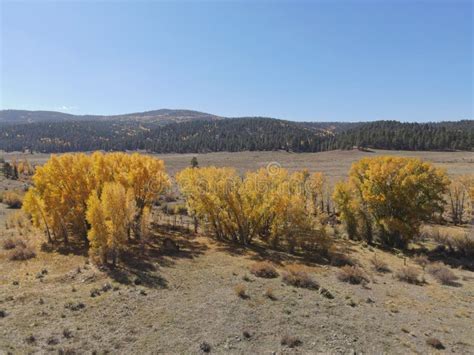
[
  {"x": 391, "y": 196},
  {"x": 270, "y": 205},
  {"x": 58, "y": 202}
]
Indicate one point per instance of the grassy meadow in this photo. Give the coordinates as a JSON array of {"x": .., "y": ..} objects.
[{"x": 208, "y": 296}]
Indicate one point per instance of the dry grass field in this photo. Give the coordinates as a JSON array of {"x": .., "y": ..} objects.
[
  {"x": 335, "y": 164},
  {"x": 204, "y": 297}
]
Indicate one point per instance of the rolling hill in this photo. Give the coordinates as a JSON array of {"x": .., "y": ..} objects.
[
  {"x": 185, "y": 131},
  {"x": 163, "y": 116}
]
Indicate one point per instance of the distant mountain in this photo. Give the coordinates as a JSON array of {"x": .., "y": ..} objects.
[
  {"x": 163, "y": 116},
  {"x": 24, "y": 116}
]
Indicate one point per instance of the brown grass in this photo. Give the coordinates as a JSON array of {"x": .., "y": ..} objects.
[
  {"x": 352, "y": 274},
  {"x": 296, "y": 275},
  {"x": 442, "y": 273},
  {"x": 379, "y": 265},
  {"x": 264, "y": 269},
  {"x": 454, "y": 239},
  {"x": 409, "y": 274},
  {"x": 464, "y": 244},
  {"x": 21, "y": 253}
]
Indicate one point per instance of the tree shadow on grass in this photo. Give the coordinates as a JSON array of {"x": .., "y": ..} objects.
[
  {"x": 73, "y": 247},
  {"x": 443, "y": 255},
  {"x": 142, "y": 260},
  {"x": 276, "y": 256}
]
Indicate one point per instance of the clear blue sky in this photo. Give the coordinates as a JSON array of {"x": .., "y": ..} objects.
[{"x": 314, "y": 60}]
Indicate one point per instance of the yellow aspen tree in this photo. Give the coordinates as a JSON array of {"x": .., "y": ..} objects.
[
  {"x": 34, "y": 206},
  {"x": 98, "y": 234},
  {"x": 118, "y": 208},
  {"x": 65, "y": 183},
  {"x": 110, "y": 217},
  {"x": 271, "y": 206}
]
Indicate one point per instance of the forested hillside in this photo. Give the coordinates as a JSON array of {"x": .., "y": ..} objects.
[{"x": 236, "y": 134}]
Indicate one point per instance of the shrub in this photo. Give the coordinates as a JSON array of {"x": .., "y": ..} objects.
[
  {"x": 12, "y": 199},
  {"x": 435, "y": 343},
  {"x": 296, "y": 275},
  {"x": 352, "y": 274},
  {"x": 269, "y": 293},
  {"x": 264, "y": 269},
  {"x": 11, "y": 243},
  {"x": 409, "y": 274},
  {"x": 442, "y": 273},
  {"x": 19, "y": 221},
  {"x": 338, "y": 258},
  {"x": 291, "y": 341},
  {"x": 455, "y": 241},
  {"x": 22, "y": 253},
  {"x": 31, "y": 339},
  {"x": 240, "y": 290},
  {"x": 379, "y": 265},
  {"x": 464, "y": 244},
  {"x": 421, "y": 260},
  {"x": 205, "y": 347}
]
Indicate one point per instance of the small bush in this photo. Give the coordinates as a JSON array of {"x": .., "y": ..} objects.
[
  {"x": 67, "y": 333},
  {"x": 11, "y": 243},
  {"x": 264, "y": 269},
  {"x": 170, "y": 198},
  {"x": 52, "y": 340},
  {"x": 12, "y": 199},
  {"x": 296, "y": 275},
  {"x": 435, "y": 343},
  {"x": 205, "y": 347},
  {"x": 31, "y": 339},
  {"x": 291, "y": 341},
  {"x": 75, "y": 306},
  {"x": 21, "y": 253},
  {"x": 241, "y": 291},
  {"x": 181, "y": 209},
  {"x": 379, "y": 265},
  {"x": 464, "y": 244},
  {"x": 442, "y": 273},
  {"x": 269, "y": 293},
  {"x": 352, "y": 274},
  {"x": 421, "y": 260},
  {"x": 409, "y": 274},
  {"x": 338, "y": 258},
  {"x": 20, "y": 222}
]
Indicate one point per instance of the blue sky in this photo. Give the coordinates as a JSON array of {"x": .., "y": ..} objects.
[{"x": 313, "y": 60}]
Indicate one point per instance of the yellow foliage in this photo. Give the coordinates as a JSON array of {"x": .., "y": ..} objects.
[
  {"x": 62, "y": 188},
  {"x": 24, "y": 167},
  {"x": 391, "y": 195},
  {"x": 110, "y": 218},
  {"x": 270, "y": 205}
]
